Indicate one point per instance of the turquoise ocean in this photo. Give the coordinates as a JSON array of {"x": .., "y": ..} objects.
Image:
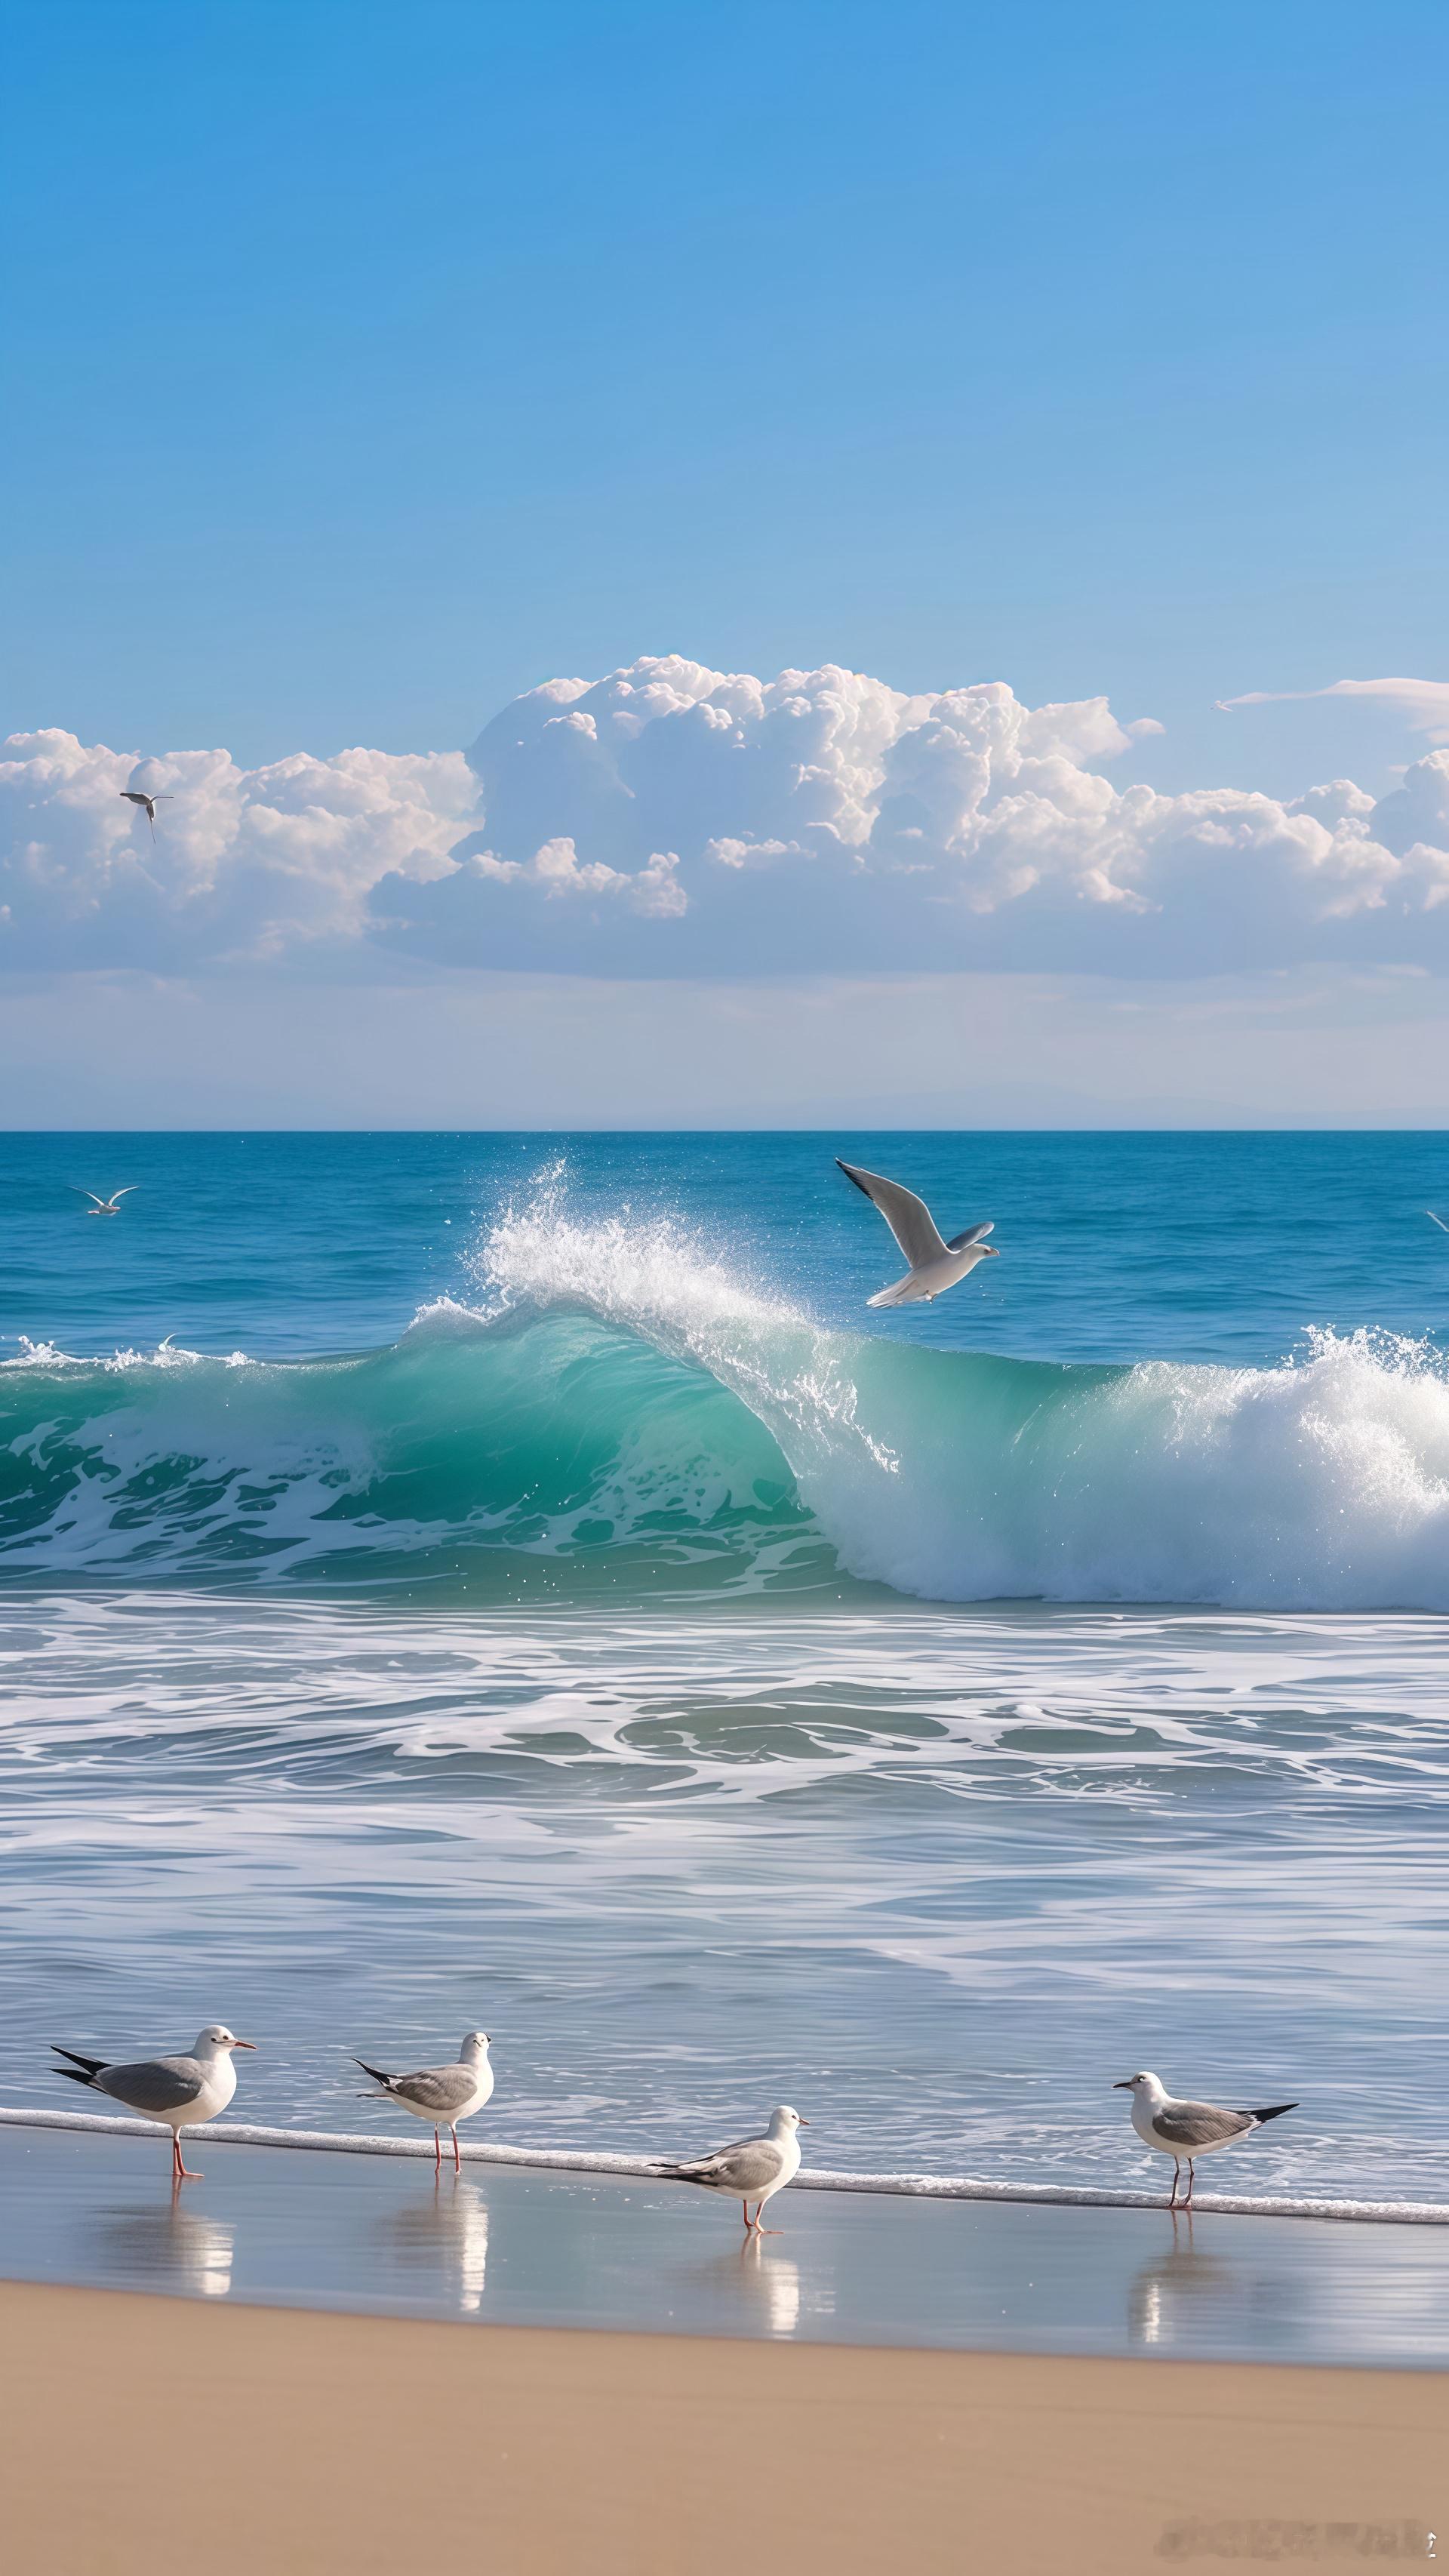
[{"x": 514, "y": 1581}]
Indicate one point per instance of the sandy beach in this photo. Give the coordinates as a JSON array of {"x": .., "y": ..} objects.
[
  {"x": 313, "y": 2442},
  {"x": 724, "y": 1329}
]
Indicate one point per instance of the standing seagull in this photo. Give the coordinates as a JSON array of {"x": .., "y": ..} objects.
[
  {"x": 753, "y": 2169},
  {"x": 104, "y": 1207},
  {"x": 139, "y": 796},
  {"x": 179, "y": 2092},
  {"x": 443, "y": 2094},
  {"x": 935, "y": 1266},
  {"x": 1184, "y": 2130}
]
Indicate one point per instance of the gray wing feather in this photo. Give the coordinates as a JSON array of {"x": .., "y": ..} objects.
[
  {"x": 747, "y": 2167},
  {"x": 442, "y": 2089},
  {"x": 157, "y": 2084},
  {"x": 1200, "y": 2124},
  {"x": 909, "y": 1218}
]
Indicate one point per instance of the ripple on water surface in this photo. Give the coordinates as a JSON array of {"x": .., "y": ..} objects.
[{"x": 946, "y": 1873}]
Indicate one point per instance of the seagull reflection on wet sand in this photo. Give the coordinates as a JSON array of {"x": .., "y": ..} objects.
[
  {"x": 773, "y": 2281},
  {"x": 539, "y": 2247},
  {"x": 1173, "y": 2282},
  {"x": 746, "y": 2287},
  {"x": 447, "y": 2235},
  {"x": 176, "y": 2246}
]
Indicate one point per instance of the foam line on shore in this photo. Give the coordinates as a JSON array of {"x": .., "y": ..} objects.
[{"x": 1401, "y": 2213}]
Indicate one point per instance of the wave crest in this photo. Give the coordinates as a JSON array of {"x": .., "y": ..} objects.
[{"x": 620, "y": 1407}]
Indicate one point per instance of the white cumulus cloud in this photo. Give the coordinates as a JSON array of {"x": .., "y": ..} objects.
[
  {"x": 556, "y": 870},
  {"x": 670, "y": 819},
  {"x": 243, "y": 863}
]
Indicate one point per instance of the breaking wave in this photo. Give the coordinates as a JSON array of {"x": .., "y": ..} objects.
[{"x": 616, "y": 1409}]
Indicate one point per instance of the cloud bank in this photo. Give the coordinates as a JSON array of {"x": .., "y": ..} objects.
[{"x": 670, "y": 820}]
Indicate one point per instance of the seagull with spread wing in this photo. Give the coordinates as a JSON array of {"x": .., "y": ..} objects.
[
  {"x": 935, "y": 1266},
  {"x": 100, "y": 1206},
  {"x": 148, "y": 800}
]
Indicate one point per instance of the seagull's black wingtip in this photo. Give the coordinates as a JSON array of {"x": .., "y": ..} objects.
[{"x": 851, "y": 1177}]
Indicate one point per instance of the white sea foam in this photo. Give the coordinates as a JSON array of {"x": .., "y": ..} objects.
[
  {"x": 618, "y": 1385},
  {"x": 573, "y": 1817},
  {"x": 1323, "y": 1482}
]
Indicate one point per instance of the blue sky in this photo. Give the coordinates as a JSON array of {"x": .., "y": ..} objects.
[{"x": 378, "y": 363}]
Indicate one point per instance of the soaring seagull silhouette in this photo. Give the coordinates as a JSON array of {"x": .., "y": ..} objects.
[
  {"x": 138, "y": 796},
  {"x": 104, "y": 1207},
  {"x": 935, "y": 1266}
]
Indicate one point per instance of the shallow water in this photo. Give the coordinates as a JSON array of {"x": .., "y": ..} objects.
[
  {"x": 529, "y": 1590},
  {"x": 503, "y": 2247}
]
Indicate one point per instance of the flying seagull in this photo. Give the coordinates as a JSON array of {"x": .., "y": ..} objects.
[
  {"x": 179, "y": 2092},
  {"x": 1184, "y": 2130},
  {"x": 1436, "y": 1220},
  {"x": 753, "y": 2169},
  {"x": 140, "y": 796},
  {"x": 935, "y": 1266},
  {"x": 104, "y": 1207},
  {"x": 443, "y": 2094}
]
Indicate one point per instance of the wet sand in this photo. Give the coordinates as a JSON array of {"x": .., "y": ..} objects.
[
  {"x": 526, "y": 2247},
  {"x": 313, "y": 2443}
]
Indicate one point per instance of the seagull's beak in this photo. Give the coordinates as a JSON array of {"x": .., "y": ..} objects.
[
  {"x": 1121, "y": 2088},
  {"x": 802, "y": 2124},
  {"x": 244, "y": 2043}
]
